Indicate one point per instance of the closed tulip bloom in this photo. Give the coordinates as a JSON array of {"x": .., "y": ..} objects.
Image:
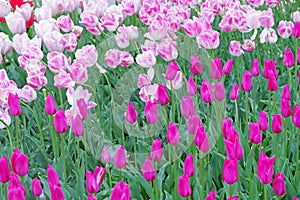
[
  {"x": 265, "y": 168},
  {"x": 276, "y": 123},
  {"x": 14, "y": 104},
  {"x": 191, "y": 87},
  {"x": 195, "y": 65},
  {"x": 77, "y": 126},
  {"x": 216, "y": 68},
  {"x": 121, "y": 191},
  {"x": 156, "y": 151},
  {"x": 228, "y": 66},
  {"x": 60, "y": 121},
  {"x": 56, "y": 192},
  {"x": 233, "y": 198},
  {"x": 211, "y": 195},
  {"x": 151, "y": 112},
  {"x": 296, "y": 30},
  {"x": 187, "y": 106},
  {"x": 278, "y": 184},
  {"x": 270, "y": 65},
  {"x": 272, "y": 82},
  {"x": 193, "y": 123},
  {"x": 131, "y": 114},
  {"x": 173, "y": 136},
  {"x": 233, "y": 147},
  {"x": 184, "y": 188},
  {"x": 15, "y": 188},
  {"x": 205, "y": 91},
  {"x": 234, "y": 93},
  {"x": 296, "y": 116},
  {"x": 91, "y": 184},
  {"x": 105, "y": 155},
  {"x": 263, "y": 121},
  {"x": 299, "y": 76},
  {"x": 171, "y": 70},
  {"x": 285, "y": 108},
  {"x": 298, "y": 58},
  {"x": 90, "y": 197},
  {"x": 288, "y": 58},
  {"x": 286, "y": 93},
  {"x": 36, "y": 187},
  {"x": 227, "y": 127},
  {"x": 246, "y": 81},
  {"x": 201, "y": 140},
  {"x": 255, "y": 71},
  {"x": 295, "y": 198},
  {"x": 220, "y": 91},
  {"x": 188, "y": 166},
  {"x": 99, "y": 174},
  {"x": 230, "y": 171},
  {"x": 162, "y": 94},
  {"x": 82, "y": 107},
  {"x": 19, "y": 163},
  {"x": 53, "y": 178},
  {"x": 50, "y": 106},
  {"x": 120, "y": 157},
  {"x": 5, "y": 171},
  {"x": 148, "y": 170},
  {"x": 254, "y": 133}
]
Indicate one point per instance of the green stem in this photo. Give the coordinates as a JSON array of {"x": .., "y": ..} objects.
[
  {"x": 254, "y": 95},
  {"x": 172, "y": 102},
  {"x": 17, "y": 127},
  {"x": 201, "y": 172},
  {"x": 54, "y": 139},
  {"x": 78, "y": 154},
  {"x": 207, "y": 116},
  {"x": 9, "y": 135},
  {"x": 109, "y": 175},
  {"x": 5, "y": 190},
  {"x": 230, "y": 190},
  {"x": 135, "y": 152},
  {"x": 296, "y": 63},
  {"x": 276, "y": 150},
  {"x": 175, "y": 171},
  {"x": 284, "y": 137},
  {"x": 297, "y": 157},
  {"x": 151, "y": 190},
  {"x": 236, "y": 113},
  {"x": 85, "y": 150},
  {"x": 63, "y": 158},
  {"x": 247, "y": 111},
  {"x": 290, "y": 76},
  {"x": 156, "y": 188},
  {"x": 274, "y": 101},
  {"x": 265, "y": 192},
  {"x": 60, "y": 98}
]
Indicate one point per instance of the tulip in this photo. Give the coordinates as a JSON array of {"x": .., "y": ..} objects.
[
  {"x": 276, "y": 123},
  {"x": 53, "y": 178},
  {"x": 188, "y": 166},
  {"x": 299, "y": 75},
  {"x": 99, "y": 174},
  {"x": 90, "y": 197},
  {"x": 19, "y": 163},
  {"x": 286, "y": 94},
  {"x": 171, "y": 70},
  {"x": 254, "y": 133},
  {"x": 121, "y": 191},
  {"x": 296, "y": 116},
  {"x": 162, "y": 94},
  {"x": 195, "y": 65},
  {"x": 187, "y": 106},
  {"x": 83, "y": 108},
  {"x": 151, "y": 112},
  {"x": 148, "y": 170},
  {"x": 105, "y": 155},
  {"x": 285, "y": 108},
  {"x": 233, "y": 198},
  {"x": 233, "y": 147},
  {"x": 56, "y": 192},
  {"x": 201, "y": 140},
  {"x": 228, "y": 66},
  {"x": 91, "y": 184},
  {"x": 5, "y": 171},
  {"x": 173, "y": 136},
  {"x": 15, "y": 188},
  {"x": 235, "y": 48},
  {"x": 205, "y": 92},
  {"x": 193, "y": 123},
  {"x": 36, "y": 187},
  {"x": 272, "y": 82},
  {"x": 14, "y": 104},
  {"x": 265, "y": 168},
  {"x": 246, "y": 81},
  {"x": 296, "y": 30},
  {"x": 220, "y": 91},
  {"x": 50, "y": 106},
  {"x": 156, "y": 151},
  {"x": 278, "y": 184},
  {"x": 255, "y": 71},
  {"x": 131, "y": 114},
  {"x": 60, "y": 121},
  {"x": 216, "y": 68},
  {"x": 227, "y": 127},
  {"x": 77, "y": 126},
  {"x": 211, "y": 195},
  {"x": 230, "y": 171},
  {"x": 234, "y": 93},
  {"x": 249, "y": 45},
  {"x": 120, "y": 157},
  {"x": 295, "y": 198},
  {"x": 184, "y": 188},
  {"x": 191, "y": 87},
  {"x": 263, "y": 121},
  {"x": 288, "y": 58}
]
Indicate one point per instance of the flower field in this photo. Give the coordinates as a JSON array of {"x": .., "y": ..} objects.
[{"x": 149, "y": 99}]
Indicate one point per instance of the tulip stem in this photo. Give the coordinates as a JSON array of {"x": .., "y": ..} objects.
[
  {"x": 201, "y": 172},
  {"x": 236, "y": 113},
  {"x": 109, "y": 175},
  {"x": 290, "y": 76},
  {"x": 296, "y": 63},
  {"x": 63, "y": 158},
  {"x": 276, "y": 149},
  {"x": 247, "y": 110},
  {"x": 265, "y": 192},
  {"x": 78, "y": 154},
  {"x": 5, "y": 190},
  {"x": 207, "y": 116},
  {"x": 230, "y": 190},
  {"x": 175, "y": 170},
  {"x": 297, "y": 156},
  {"x": 54, "y": 139},
  {"x": 274, "y": 101},
  {"x": 156, "y": 188},
  {"x": 151, "y": 190},
  {"x": 9, "y": 134},
  {"x": 17, "y": 126},
  {"x": 284, "y": 137}
]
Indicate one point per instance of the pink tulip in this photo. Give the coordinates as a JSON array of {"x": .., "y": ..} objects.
[
  {"x": 173, "y": 136},
  {"x": 254, "y": 133},
  {"x": 255, "y": 71},
  {"x": 288, "y": 58},
  {"x": 230, "y": 171},
  {"x": 286, "y": 93},
  {"x": 53, "y": 178},
  {"x": 227, "y": 127},
  {"x": 285, "y": 29},
  {"x": 256, "y": 3},
  {"x": 5, "y": 170},
  {"x": 90, "y": 197},
  {"x": 188, "y": 166},
  {"x": 65, "y": 23},
  {"x": 156, "y": 151},
  {"x": 298, "y": 58},
  {"x": 263, "y": 121},
  {"x": 69, "y": 41},
  {"x": 19, "y": 163},
  {"x": 77, "y": 125},
  {"x": 272, "y": 81},
  {"x": 56, "y": 192},
  {"x": 91, "y": 184},
  {"x": 171, "y": 70},
  {"x": 50, "y": 106},
  {"x": 99, "y": 174},
  {"x": 131, "y": 114},
  {"x": 148, "y": 170},
  {"x": 233, "y": 147},
  {"x": 296, "y": 116},
  {"x": 272, "y": 3},
  {"x": 60, "y": 121},
  {"x": 228, "y": 67},
  {"x": 266, "y": 18},
  {"x": 299, "y": 75},
  {"x": 209, "y": 39},
  {"x": 246, "y": 81},
  {"x": 276, "y": 123},
  {"x": 176, "y": 83},
  {"x": 14, "y": 104},
  {"x": 15, "y": 188},
  {"x": 105, "y": 155},
  {"x": 162, "y": 94},
  {"x": 143, "y": 80},
  {"x": 216, "y": 68},
  {"x": 52, "y": 41},
  {"x": 193, "y": 123},
  {"x": 201, "y": 140},
  {"x": 278, "y": 184},
  {"x": 195, "y": 65},
  {"x": 16, "y": 23},
  {"x": 234, "y": 93},
  {"x": 285, "y": 108},
  {"x": 63, "y": 80},
  {"x": 121, "y": 191},
  {"x": 265, "y": 168},
  {"x": 187, "y": 106},
  {"x": 57, "y": 61},
  {"x": 205, "y": 92},
  {"x": 88, "y": 53},
  {"x": 146, "y": 59},
  {"x": 82, "y": 107},
  {"x": 36, "y": 187},
  {"x": 295, "y": 198},
  {"x": 233, "y": 198},
  {"x": 211, "y": 195},
  {"x": 235, "y": 48},
  {"x": 120, "y": 157},
  {"x": 220, "y": 91},
  {"x": 167, "y": 50},
  {"x": 270, "y": 65},
  {"x": 151, "y": 112},
  {"x": 191, "y": 87},
  {"x": 249, "y": 45},
  {"x": 184, "y": 188},
  {"x": 296, "y": 30}
]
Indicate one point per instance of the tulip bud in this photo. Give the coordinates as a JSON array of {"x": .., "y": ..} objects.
[
  {"x": 193, "y": 123},
  {"x": 265, "y": 168},
  {"x": 171, "y": 70},
  {"x": 205, "y": 92},
  {"x": 14, "y": 104},
  {"x": 53, "y": 178},
  {"x": 296, "y": 116},
  {"x": 216, "y": 68},
  {"x": 60, "y": 121},
  {"x": 233, "y": 147},
  {"x": 99, "y": 174},
  {"x": 77, "y": 126},
  {"x": 288, "y": 58},
  {"x": 276, "y": 123},
  {"x": 184, "y": 188},
  {"x": 121, "y": 191},
  {"x": 187, "y": 106},
  {"x": 227, "y": 127},
  {"x": 5, "y": 171},
  {"x": 188, "y": 166},
  {"x": 148, "y": 170},
  {"x": 83, "y": 109},
  {"x": 228, "y": 66},
  {"x": 105, "y": 155},
  {"x": 151, "y": 112},
  {"x": 270, "y": 65},
  {"x": 173, "y": 136},
  {"x": 56, "y": 192},
  {"x": 285, "y": 108},
  {"x": 263, "y": 121},
  {"x": 278, "y": 184},
  {"x": 286, "y": 94},
  {"x": 246, "y": 81},
  {"x": 120, "y": 157},
  {"x": 230, "y": 171},
  {"x": 211, "y": 195},
  {"x": 234, "y": 93},
  {"x": 91, "y": 184},
  {"x": 220, "y": 91},
  {"x": 254, "y": 133},
  {"x": 255, "y": 71},
  {"x": 201, "y": 140},
  {"x": 15, "y": 188},
  {"x": 162, "y": 94},
  {"x": 131, "y": 114},
  {"x": 50, "y": 106},
  {"x": 156, "y": 151},
  {"x": 19, "y": 163},
  {"x": 272, "y": 82},
  {"x": 296, "y": 30},
  {"x": 233, "y": 198},
  {"x": 191, "y": 87},
  {"x": 195, "y": 65},
  {"x": 36, "y": 187}
]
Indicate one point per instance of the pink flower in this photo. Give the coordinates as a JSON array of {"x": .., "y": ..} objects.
[
  {"x": 272, "y": 81},
  {"x": 254, "y": 133},
  {"x": 53, "y": 178},
  {"x": 184, "y": 188},
  {"x": 57, "y": 61},
  {"x": 265, "y": 168},
  {"x": 130, "y": 7},
  {"x": 162, "y": 94},
  {"x": 176, "y": 83},
  {"x": 193, "y": 123},
  {"x": 149, "y": 93},
  {"x": 158, "y": 28},
  {"x": 278, "y": 184},
  {"x": 120, "y": 157},
  {"x": 5, "y": 170},
  {"x": 205, "y": 92},
  {"x": 220, "y": 91},
  {"x": 296, "y": 116},
  {"x": 235, "y": 48},
  {"x": 16, "y": 23},
  {"x": 88, "y": 19},
  {"x": 171, "y": 70},
  {"x": 201, "y": 140},
  {"x": 187, "y": 106},
  {"x": 249, "y": 45},
  {"x": 143, "y": 80},
  {"x": 234, "y": 93},
  {"x": 15, "y": 188},
  {"x": 296, "y": 30},
  {"x": 121, "y": 191},
  {"x": 109, "y": 22},
  {"x": 256, "y": 3},
  {"x": 266, "y": 18},
  {"x": 191, "y": 87},
  {"x": 88, "y": 54},
  {"x": 69, "y": 41},
  {"x": 146, "y": 59},
  {"x": 78, "y": 71},
  {"x": 105, "y": 155},
  {"x": 255, "y": 71},
  {"x": 56, "y": 192},
  {"x": 148, "y": 170},
  {"x": 65, "y": 23},
  {"x": 272, "y": 3},
  {"x": 173, "y": 136},
  {"x": 91, "y": 184},
  {"x": 156, "y": 151},
  {"x": 227, "y": 67},
  {"x": 151, "y": 112},
  {"x": 113, "y": 58},
  {"x": 36, "y": 187},
  {"x": 209, "y": 39},
  {"x": 195, "y": 65},
  {"x": 167, "y": 50},
  {"x": 270, "y": 65},
  {"x": 50, "y": 106},
  {"x": 233, "y": 147},
  {"x": 63, "y": 80},
  {"x": 263, "y": 121},
  {"x": 268, "y": 35},
  {"x": 19, "y": 163},
  {"x": 77, "y": 126},
  {"x": 122, "y": 38},
  {"x": 246, "y": 81},
  {"x": 131, "y": 114},
  {"x": 14, "y": 104},
  {"x": 188, "y": 166},
  {"x": 126, "y": 59},
  {"x": 52, "y": 41},
  {"x": 230, "y": 171},
  {"x": 285, "y": 29},
  {"x": 216, "y": 68},
  {"x": 296, "y": 16},
  {"x": 285, "y": 108},
  {"x": 276, "y": 123},
  {"x": 60, "y": 121},
  {"x": 288, "y": 58},
  {"x": 286, "y": 93},
  {"x": 211, "y": 195}
]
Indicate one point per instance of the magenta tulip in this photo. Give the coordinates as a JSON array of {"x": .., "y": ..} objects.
[
  {"x": 191, "y": 87},
  {"x": 286, "y": 93},
  {"x": 156, "y": 151},
  {"x": 201, "y": 140},
  {"x": 90, "y": 197},
  {"x": 276, "y": 123},
  {"x": 121, "y": 191},
  {"x": 255, "y": 135},
  {"x": 91, "y": 184},
  {"x": 205, "y": 91},
  {"x": 230, "y": 171},
  {"x": 193, "y": 123},
  {"x": 278, "y": 184},
  {"x": 188, "y": 166},
  {"x": 227, "y": 127},
  {"x": 19, "y": 163},
  {"x": 285, "y": 108},
  {"x": 14, "y": 104},
  {"x": 60, "y": 121},
  {"x": 234, "y": 93},
  {"x": 99, "y": 174},
  {"x": 162, "y": 94},
  {"x": 296, "y": 116},
  {"x": 50, "y": 106},
  {"x": 272, "y": 82},
  {"x": 151, "y": 112},
  {"x": 246, "y": 81},
  {"x": 53, "y": 178},
  {"x": 173, "y": 136},
  {"x": 216, "y": 68},
  {"x": 83, "y": 108},
  {"x": 171, "y": 70},
  {"x": 220, "y": 91},
  {"x": 195, "y": 65},
  {"x": 233, "y": 198},
  {"x": 15, "y": 188},
  {"x": 56, "y": 192},
  {"x": 233, "y": 147},
  {"x": 255, "y": 71},
  {"x": 288, "y": 58},
  {"x": 270, "y": 65},
  {"x": 228, "y": 67},
  {"x": 211, "y": 195},
  {"x": 187, "y": 106},
  {"x": 5, "y": 171},
  {"x": 105, "y": 155},
  {"x": 77, "y": 126},
  {"x": 131, "y": 114},
  {"x": 296, "y": 30},
  {"x": 263, "y": 121},
  {"x": 36, "y": 187},
  {"x": 148, "y": 170},
  {"x": 265, "y": 168},
  {"x": 184, "y": 188},
  {"x": 120, "y": 157}
]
